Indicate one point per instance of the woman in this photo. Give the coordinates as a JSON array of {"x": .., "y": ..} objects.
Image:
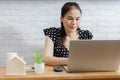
[{"x": 57, "y": 41}]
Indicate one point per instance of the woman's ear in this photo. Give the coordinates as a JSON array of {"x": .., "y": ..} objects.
[{"x": 61, "y": 19}]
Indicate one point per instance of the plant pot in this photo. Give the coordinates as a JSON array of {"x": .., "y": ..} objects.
[{"x": 39, "y": 68}]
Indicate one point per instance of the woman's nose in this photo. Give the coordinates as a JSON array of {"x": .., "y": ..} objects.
[{"x": 73, "y": 22}]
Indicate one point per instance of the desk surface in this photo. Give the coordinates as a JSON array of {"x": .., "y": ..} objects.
[{"x": 49, "y": 74}]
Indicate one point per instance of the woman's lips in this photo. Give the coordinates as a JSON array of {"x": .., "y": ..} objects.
[{"x": 73, "y": 27}]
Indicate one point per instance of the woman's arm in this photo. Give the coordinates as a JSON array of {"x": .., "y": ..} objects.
[{"x": 49, "y": 59}]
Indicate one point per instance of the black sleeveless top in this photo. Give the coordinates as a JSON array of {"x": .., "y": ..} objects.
[{"x": 54, "y": 34}]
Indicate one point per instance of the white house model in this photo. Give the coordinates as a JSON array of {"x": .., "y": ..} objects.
[{"x": 16, "y": 66}]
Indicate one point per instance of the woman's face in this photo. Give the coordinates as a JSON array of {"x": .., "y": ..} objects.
[{"x": 71, "y": 20}]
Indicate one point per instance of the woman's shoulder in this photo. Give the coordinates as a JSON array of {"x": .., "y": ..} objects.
[
  {"x": 51, "y": 29},
  {"x": 86, "y": 34},
  {"x": 52, "y": 32},
  {"x": 84, "y": 31}
]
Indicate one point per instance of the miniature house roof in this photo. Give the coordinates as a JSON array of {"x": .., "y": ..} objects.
[{"x": 17, "y": 57}]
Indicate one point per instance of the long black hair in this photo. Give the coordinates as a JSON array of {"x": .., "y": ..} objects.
[{"x": 66, "y": 8}]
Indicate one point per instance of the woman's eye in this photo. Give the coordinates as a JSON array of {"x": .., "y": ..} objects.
[
  {"x": 77, "y": 19},
  {"x": 69, "y": 18}
]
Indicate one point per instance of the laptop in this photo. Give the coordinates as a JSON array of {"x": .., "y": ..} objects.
[{"x": 93, "y": 55}]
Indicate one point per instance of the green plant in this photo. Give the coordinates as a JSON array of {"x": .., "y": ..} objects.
[{"x": 38, "y": 58}]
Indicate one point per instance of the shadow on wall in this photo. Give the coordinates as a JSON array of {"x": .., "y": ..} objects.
[{"x": 12, "y": 40}]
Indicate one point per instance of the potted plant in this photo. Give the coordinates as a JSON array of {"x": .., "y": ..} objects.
[{"x": 38, "y": 63}]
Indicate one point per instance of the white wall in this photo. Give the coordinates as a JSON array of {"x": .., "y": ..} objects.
[{"x": 22, "y": 23}]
